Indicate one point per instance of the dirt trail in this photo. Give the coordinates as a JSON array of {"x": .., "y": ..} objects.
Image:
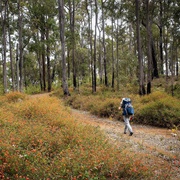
[{"x": 156, "y": 147}]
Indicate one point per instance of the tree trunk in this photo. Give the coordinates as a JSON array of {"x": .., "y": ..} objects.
[
  {"x": 112, "y": 85},
  {"x": 20, "y": 24},
  {"x": 141, "y": 74},
  {"x": 89, "y": 36},
  {"x": 96, "y": 21},
  {"x": 104, "y": 46},
  {"x": 11, "y": 59},
  {"x": 68, "y": 63},
  {"x": 43, "y": 60},
  {"x": 48, "y": 62},
  {"x": 40, "y": 70},
  {"x": 91, "y": 45},
  {"x": 61, "y": 27},
  {"x": 177, "y": 63},
  {"x": 166, "y": 58},
  {"x": 4, "y": 36},
  {"x": 149, "y": 53},
  {"x": 161, "y": 37},
  {"x": 117, "y": 55},
  {"x": 17, "y": 66},
  {"x": 100, "y": 59},
  {"x": 172, "y": 65},
  {"x": 72, "y": 29}
]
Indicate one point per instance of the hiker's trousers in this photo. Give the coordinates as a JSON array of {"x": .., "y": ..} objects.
[{"x": 127, "y": 124}]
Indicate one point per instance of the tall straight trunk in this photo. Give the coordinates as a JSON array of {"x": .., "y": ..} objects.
[
  {"x": 73, "y": 55},
  {"x": 112, "y": 85},
  {"x": 61, "y": 28},
  {"x": 172, "y": 65},
  {"x": 166, "y": 57},
  {"x": 20, "y": 24},
  {"x": 72, "y": 29},
  {"x": 89, "y": 36},
  {"x": 96, "y": 21},
  {"x": 4, "y": 36},
  {"x": 11, "y": 54},
  {"x": 117, "y": 55},
  {"x": 17, "y": 66},
  {"x": 11, "y": 59},
  {"x": 141, "y": 73},
  {"x": 104, "y": 46},
  {"x": 161, "y": 36},
  {"x": 100, "y": 59},
  {"x": 54, "y": 68},
  {"x": 177, "y": 62},
  {"x": 43, "y": 58},
  {"x": 91, "y": 45},
  {"x": 68, "y": 63},
  {"x": 39, "y": 59},
  {"x": 48, "y": 62},
  {"x": 149, "y": 53}
]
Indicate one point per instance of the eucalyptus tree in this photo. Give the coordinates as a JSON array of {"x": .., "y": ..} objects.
[
  {"x": 20, "y": 41},
  {"x": 71, "y": 4},
  {"x": 151, "y": 8},
  {"x": 61, "y": 28},
  {"x": 104, "y": 46},
  {"x": 95, "y": 37},
  {"x": 141, "y": 74},
  {"x": 42, "y": 21},
  {"x": 149, "y": 53},
  {"x": 114, "y": 8},
  {"x": 4, "y": 7},
  {"x": 10, "y": 32}
]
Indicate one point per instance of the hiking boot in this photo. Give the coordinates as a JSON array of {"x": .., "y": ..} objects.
[{"x": 131, "y": 133}]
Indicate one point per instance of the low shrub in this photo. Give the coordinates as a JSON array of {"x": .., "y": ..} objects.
[
  {"x": 40, "y": 139},
  {"x": 159, "y": 109},
  {"x": 15, "y": 96},
  {"x": 33, "y": 89}
]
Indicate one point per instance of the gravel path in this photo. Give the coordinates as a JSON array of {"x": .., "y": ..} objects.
[{"x": 158, "y": 148}]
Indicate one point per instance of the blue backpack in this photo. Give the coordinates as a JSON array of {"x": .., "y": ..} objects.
[{"x": 126, "y": 104}]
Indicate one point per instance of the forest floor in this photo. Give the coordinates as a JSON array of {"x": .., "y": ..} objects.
[{"x": 156, "y": 148}]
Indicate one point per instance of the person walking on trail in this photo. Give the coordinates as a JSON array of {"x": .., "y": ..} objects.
[{"x": 128, "y": 113}]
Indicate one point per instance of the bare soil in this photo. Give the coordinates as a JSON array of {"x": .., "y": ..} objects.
[{"x": 157, "y": 148}]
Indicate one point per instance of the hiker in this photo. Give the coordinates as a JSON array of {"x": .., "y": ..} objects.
[{"x": 127, "y": 116}]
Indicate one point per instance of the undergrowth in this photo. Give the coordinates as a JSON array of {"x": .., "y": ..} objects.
[
  {"x": 157, "y": 108},
  {"x": 40, "y": 139}
]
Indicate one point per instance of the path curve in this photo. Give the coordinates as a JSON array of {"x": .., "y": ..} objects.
[{"x": 157, "y": 147}]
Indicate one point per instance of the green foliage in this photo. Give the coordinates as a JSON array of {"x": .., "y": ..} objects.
[
  {"x": 177, "y": 90},
  {"x": 33, "y": 89},
  {"x": 157, "y": 109},
  {"x": 1, "y": 89}
]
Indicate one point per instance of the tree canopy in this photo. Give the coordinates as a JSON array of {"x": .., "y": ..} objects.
[{"x": 104, "y": 42}]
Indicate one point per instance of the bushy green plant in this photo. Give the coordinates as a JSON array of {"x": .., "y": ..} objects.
[
  {"x": 159, "y": 109},
  {"x": 33, "y": 89}
]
